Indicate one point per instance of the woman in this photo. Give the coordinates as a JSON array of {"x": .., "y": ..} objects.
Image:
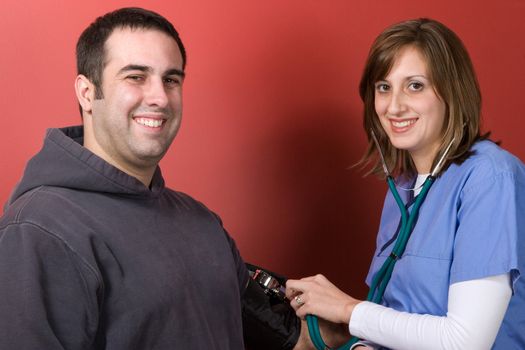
[{"x": 457, "y": 284}]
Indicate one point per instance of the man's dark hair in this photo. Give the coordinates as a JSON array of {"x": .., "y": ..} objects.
[{"x": 91, "y": 56}]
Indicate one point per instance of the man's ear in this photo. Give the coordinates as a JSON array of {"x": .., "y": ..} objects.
[{"x": 85, "y": 91}]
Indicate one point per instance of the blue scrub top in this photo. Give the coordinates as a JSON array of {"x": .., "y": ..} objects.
[{"x": 470, "y": 226}]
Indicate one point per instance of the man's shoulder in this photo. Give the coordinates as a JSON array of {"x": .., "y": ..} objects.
[
  {"x": 43, "y": 214},
  {"x": 178, "y": 194},
  {"x": 184, "y": 199},
  {"x": 38, "y": 208}
]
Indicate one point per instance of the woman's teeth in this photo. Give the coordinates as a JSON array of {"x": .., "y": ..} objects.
[{"x": 403, "y": 123}]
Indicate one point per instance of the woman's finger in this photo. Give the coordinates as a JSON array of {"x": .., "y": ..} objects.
[
  {"x": 299, "y": 300},
  {"x": 295, "y": 286},
  {"x": 291, "y": 289}
]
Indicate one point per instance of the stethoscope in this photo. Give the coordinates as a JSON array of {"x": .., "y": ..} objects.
[{"x": 382, "y": 277}]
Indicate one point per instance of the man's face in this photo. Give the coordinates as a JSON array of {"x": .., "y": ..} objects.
[{"x": 135, "y": 122}]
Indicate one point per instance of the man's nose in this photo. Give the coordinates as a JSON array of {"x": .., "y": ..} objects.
[{"x": 155, "y": 94}]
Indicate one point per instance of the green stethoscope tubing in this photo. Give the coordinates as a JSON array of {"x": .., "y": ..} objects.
[{"x": 382, "y": 277}]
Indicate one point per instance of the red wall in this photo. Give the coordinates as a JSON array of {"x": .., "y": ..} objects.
[{"x": 272, "y": 115}]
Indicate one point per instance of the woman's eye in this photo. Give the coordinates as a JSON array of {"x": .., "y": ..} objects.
[
  {"x": 416, "y": 86},
  {"x": 382, "y": 87}
]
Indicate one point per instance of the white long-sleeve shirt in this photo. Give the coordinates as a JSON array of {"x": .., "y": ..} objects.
[{"x": 475, "y": 311}]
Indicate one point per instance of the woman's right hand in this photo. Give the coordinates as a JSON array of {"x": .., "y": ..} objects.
[
  {"x": 316, "y": 295},
  {"x": 333, "y": 334}
]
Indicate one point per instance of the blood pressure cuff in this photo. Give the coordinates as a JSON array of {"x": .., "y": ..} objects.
[{"x": 267, "y": 324}]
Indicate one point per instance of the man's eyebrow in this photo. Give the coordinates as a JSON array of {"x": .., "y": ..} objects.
[
  {"x": 175, "y": 71},
  {"x": 130, "y": 67},
  {"x": 142, "y": 68}
]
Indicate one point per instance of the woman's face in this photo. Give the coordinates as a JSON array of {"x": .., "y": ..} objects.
[{"x": 410, "y": 111}]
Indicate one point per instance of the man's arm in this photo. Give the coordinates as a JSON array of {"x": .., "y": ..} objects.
[
  {"x": 270, "y": 322},
  {"x": 334, "y": 335},
  {"x": 46, "y": 293},
  {"x": 267, "y": 326}
]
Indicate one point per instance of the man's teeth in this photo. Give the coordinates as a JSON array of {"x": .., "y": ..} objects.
[
  {"x": 152, "y": 123},
  {"x": 404, "y": 123}
]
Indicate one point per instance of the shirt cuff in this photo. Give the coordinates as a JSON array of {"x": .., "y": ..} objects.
[{"x": 357, "y": 318}]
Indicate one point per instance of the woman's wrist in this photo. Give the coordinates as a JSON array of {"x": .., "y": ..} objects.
[{"x": 348, "y": 310}]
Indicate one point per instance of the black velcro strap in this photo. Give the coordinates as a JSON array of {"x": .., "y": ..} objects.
[{"x": 267, "y": 326}]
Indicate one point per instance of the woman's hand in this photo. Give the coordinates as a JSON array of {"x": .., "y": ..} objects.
[
  {"x": 317, "y": 296},
  {"x": 334, "y": 334}
]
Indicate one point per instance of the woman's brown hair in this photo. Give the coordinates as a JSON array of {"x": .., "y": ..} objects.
[{"x": 453, "y": 78}]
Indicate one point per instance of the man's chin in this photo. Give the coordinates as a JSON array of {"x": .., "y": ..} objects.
[{"x": 147, "y": 161}]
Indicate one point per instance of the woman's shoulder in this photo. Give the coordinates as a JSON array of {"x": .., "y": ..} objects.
[
  {"x": 490, "y": 162},
  {"x": 488, "y": 156}
]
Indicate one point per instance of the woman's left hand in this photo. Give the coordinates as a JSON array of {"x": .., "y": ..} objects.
[{"x": 316, "y": 295}]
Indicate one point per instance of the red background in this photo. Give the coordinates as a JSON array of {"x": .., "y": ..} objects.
[{"x": 272, "y": 117}]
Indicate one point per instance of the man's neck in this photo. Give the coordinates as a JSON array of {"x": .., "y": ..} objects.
[{"x": 144, "y": 174}]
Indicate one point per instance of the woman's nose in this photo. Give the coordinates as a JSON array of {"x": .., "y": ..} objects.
[{"x": 397, "y": 102}]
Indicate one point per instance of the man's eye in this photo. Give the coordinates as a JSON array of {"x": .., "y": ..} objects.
[
  {"x": 171, "y": 81},
  {"x": 136, "y": 78}
]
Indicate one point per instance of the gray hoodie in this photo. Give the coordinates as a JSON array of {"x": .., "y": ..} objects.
[{"x": 90, "y": 258}]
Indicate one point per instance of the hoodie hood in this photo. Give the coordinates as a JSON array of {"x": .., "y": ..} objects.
[{"x": 64, "y": 162}]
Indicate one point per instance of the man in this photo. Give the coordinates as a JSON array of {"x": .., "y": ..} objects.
[{"x": 95, "y": 252}]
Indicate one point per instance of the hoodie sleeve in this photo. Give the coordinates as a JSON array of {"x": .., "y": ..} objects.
[
  {"x": 242, "y": 270},
  {"x": 48, "y": 295}
]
